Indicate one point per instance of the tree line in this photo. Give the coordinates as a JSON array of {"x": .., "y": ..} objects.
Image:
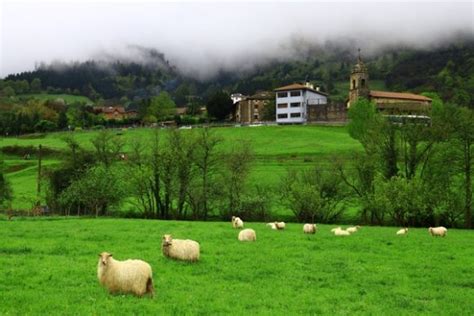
[{"x": 409, "y": 173}]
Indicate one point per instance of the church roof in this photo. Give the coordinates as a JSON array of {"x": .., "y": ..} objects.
[
  {"x": 298, "y": 86},
  {"x": 398, "y": 95}
]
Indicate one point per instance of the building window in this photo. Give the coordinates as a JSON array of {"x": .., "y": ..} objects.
[
  {"x": 362, "y": 83},
  {"x": 255, "y": 116},
  {"x": 295, "y": 115},
  {"x": 256, "y": 106},
  {"x": 283, "y": 116},
  {"x": 295, "y": 105},
  {"x": 353, "y": 84},
  {"x": 282, "y": 94},
  {"x": 282, "y": 105},
  {"x": 295, "y": 93}
]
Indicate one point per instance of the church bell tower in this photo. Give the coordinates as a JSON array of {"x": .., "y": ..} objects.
[{"x": 359, "y": 81}]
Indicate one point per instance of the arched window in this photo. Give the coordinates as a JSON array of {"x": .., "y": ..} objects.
[
  {"x": 353, "y": 84},
  {"x": 362, "y": 83}
]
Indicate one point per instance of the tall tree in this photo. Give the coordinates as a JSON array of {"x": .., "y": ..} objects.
[{"x": 220, "y": 105}]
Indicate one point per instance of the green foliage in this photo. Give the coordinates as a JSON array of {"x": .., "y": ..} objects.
[
  {"x": 6, "y": 194},
  {"x": 162, "y": 107},
  {"x": 364, "y": 124},
  {"x": 219, "y": 106},
  {"x": 314, "y": 195},
  {"x": 35, "y": 85}
]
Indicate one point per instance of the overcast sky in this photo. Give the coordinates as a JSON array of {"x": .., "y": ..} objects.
[{"x": 199, "y": 37}]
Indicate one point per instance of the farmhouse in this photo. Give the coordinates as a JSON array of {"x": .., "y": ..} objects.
[
  {"x": 391, "y": 103},
  {"x": 292, "y": 102},
  {"x": 115, "y": 112},
  {"x": 248, "y": 110}
]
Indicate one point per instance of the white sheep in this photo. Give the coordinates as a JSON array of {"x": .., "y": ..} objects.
[
  {"x": 340, "y": 232},
  {"x": 247, "y": 235},
  {"x": 280, "y": 225},
  {"x": 353, "y": 229},
  {"x": 237, "y": 222},
  {"x": 309, "y": 228},
  {"x": 438, "y": 231},
  {"x": 403, "y": 231},
  {"x": 129, "y": 276},
  {"x": 272, "y": 225},
  {"x": 186, "y": 250}
]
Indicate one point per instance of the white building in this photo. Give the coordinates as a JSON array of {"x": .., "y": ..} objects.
[
  {"x": 292, "y": 102},
  {"x": 237, "y": 97}
]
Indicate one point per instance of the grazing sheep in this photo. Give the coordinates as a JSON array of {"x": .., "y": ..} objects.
[
  {"x": 129, "y": 276},
  {"x": 237, "y": 222},
  {"x": 403, "y": 231},
  {"x": 280, "y": 225},
  {"x": 273, "y": 225},
  {"x": 340, "y": 232},
  {"x": 309, "y": 228},
  {"x": 353, "y": 229},
  {"x": 247, "y": 235},
  {"x": 438, "y": 231},
  {"x": 186, "y": 250}
]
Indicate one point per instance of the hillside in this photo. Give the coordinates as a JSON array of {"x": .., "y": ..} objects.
[{"x": 443, "y": 69}]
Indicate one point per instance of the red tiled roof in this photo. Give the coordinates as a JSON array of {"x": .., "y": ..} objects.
[
  {"x": 398, "y": 95},
  {"x": 298, "y": 86}
]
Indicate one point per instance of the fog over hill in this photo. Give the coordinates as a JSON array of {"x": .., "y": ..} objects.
[{"x": 201, "y": 39}]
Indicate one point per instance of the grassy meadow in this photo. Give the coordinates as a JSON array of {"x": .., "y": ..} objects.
[
  {"x": 49, "y": 267},
  {"x": 276, "y": 149}
]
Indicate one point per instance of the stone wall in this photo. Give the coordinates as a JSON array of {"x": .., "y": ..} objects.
[{"x": 327, "y": 113}]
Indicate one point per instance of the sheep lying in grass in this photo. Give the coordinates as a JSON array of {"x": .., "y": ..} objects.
[
  {"x": 273, "y": 225},
  {"x": 247, "y": 235},
  {"x": 438, "y": 231},
  {"x": 340, "y": 232},
  {"x": 237, "y": 222},
  {"x": 186, "y": 250},
  {"x": 403, "y": 231},
  {"x": 129, "y": 276},
  {"x": 353, "y": 229},
  {"x": 309, "y": 228}
]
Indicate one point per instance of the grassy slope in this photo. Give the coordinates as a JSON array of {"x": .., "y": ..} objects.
[
  {"x": 49, "y": 266},
  {"x": 68, "y": 98},
  {"x": 276, "y": 148}
]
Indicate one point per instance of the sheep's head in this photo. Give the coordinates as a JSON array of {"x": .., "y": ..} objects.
[
  {"x": 167, "y": 240},
  {"x": 233, "y": 219},
  {"x": 104, "y": 258}
]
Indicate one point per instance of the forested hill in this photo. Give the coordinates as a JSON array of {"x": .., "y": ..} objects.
[{"x": 448, "y": 70}]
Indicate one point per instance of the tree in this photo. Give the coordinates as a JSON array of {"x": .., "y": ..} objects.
[
  {"x": 463, "y": 138},
  {"x": 98, "y": 189},
  {"x": 204, "y": 187},
  {"x": 35, "y": 85},
  {"x": 220, "y": 105},
  {"x": 162, "y": 107},
  {"x": 107, "y": 147},
  {"x": 6, "y": 194},
  {"x": 314, "y": 195},
  {"x": 269, "y": 111},
  {"x": 237, "y": 169},
  {"x": 8, "y": 92},
  {"x": 62, "y": 120}
]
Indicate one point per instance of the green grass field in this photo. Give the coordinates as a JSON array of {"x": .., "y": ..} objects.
[
  {"x": 276, "y": 149},
  {"x": 68, "y": 98},
  {"x": 49, "y": 267}
]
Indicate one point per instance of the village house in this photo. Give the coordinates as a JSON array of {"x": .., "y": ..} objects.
[
  {"x": 292, "y": 102},
  {"x": 390, "y": 103},
  {"x": 249, "y": 110},
  {"x": 115, "y": 112}
]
